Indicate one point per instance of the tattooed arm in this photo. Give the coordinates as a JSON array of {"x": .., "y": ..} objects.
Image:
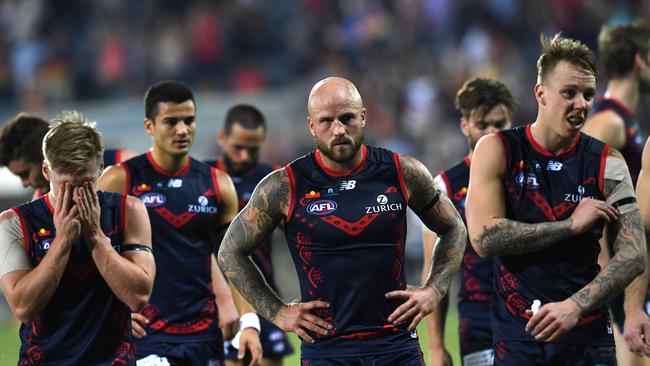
[
  {"x": 491, "y": 233},
  {"x": 629, "y": 260},
  {"x": 438, "y": 213},
  {"x": 266, "y": 208}
]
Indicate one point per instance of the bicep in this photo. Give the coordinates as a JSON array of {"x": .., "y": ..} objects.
[
  {"x": 485, "y": 195},
  {"x": 138, "y": 231},
  {"x": 229, "y": 203},
  {"x": 643, "y": 187},
  {"x": 113, "y": 179},
  {"x": 13, "y": 256}
]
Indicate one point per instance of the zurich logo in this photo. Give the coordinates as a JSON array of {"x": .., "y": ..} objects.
[
  {"x": 382, "y": 200},
  {"x": 203, "y": 201},
  {"x": 153, "y": 199},
  {"x": 321, "y": 207}
]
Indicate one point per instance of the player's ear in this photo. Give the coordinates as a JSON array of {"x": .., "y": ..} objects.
[
  {"x": 363, "y": 118},
  {"x": 539, "y": 93},
  {"x": 221, "y": 138},
  {"x": 46, "y": 170},
  {"x": 149, "y": 126},
  {"x": 464, "y": 126},
  {"x": 310, "y": 124}
]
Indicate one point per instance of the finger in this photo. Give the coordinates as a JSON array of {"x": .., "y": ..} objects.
[
  {"x": 140, "y": 318},
  {"x": 64, "y": 198},
  {"x": 397, "y": 313},
  {"x": 315, "y": 304},
  {"x": 543, "y": 324},
  {"x": 137, "y": 330},
  {"x": 610, "y": 211},
  {"x": 304, "y": 336},
  {"x": 535, "y": 319},
  {"x": 256, "y": 356},
  {"x": 82, "y": 205},
  {"x": 93, "y": 194},
  {"x": 317, "y": 320},
  {"x": 409, "y": 314},
  {"x": 314, "y": 327},
  {"x": 58, "y": 205},
  {"x": 398, "y": 294},
  {"x": 241, "y": 352},
  {"x": 415, "y": 322},
  {"x": 550, "y": 333},
  {"x": 74, "y": 212}
]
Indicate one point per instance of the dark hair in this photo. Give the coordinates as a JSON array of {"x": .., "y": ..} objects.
[
  {"x": 618, "y": 44},
  {"x": 165, "y": 91},
  {"x": 484, "y": 94},
  {"x": 21, "y": 138},
  {"x": 558, "y": 48},
  {"x": 246, "y": 116}
]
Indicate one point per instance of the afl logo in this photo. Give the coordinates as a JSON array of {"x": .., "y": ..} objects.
[
  {"x": 322, "y": 207},
  {"x": 153, "y": 199},
  {"x": 382, "y": 200},
  {"x": 45, "y": 244}
]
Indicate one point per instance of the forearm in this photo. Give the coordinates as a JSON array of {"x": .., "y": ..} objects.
[
  {"x": 509, "y": 237},
  {"x": 32, "y": 292},
  {"x": 435, "y": 323},
  {"x": 131, "y": 283},
  {"x": 446, "y": 258},
  {"x": 220, "y": 286},
  {"x": 628, "y": 262},
  {"x": 249, "y": 281}
]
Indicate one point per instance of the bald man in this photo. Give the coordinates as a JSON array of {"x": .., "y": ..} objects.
[{"x": 344, "y": 211}]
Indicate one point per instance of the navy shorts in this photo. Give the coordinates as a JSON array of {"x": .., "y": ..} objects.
[
  {"x": 275, "y": 343},
  {"x": 514, "y": 353},
  {"x": 475, "y": 335},
  {"x": 411, "y": 357},
  {"x": 179, "y": 354}
]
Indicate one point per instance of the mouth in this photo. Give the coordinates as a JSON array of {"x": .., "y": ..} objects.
[
  {"x": 182, "y": 143},
  {"x": 340, "y": 143},
  {"x": 576, "y": 120}
]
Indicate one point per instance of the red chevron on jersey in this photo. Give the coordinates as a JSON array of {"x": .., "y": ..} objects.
[
  {"x": 177, "y": 221},
  {"x": 352, "y": 228}
]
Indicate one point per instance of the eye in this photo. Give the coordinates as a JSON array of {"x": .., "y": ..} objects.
[{"x": 569, "y": 93}]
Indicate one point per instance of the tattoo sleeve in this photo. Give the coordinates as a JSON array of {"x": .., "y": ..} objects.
[
  {"x": 246, "y": 233},
  {"x": 442, "y": 218},
  {"x": 510, "y": 237},
  {"x": 628, "y": 261}
]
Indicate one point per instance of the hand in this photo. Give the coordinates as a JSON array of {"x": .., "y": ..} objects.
[
  {"x": 553, "y": 319},
  {"x": 66, "y": 215},
  {"x": 89, "y": 212},
  {"x": 249, "y": 340},
  {"x": 296, "y": 317},
  {"x": 418, "y": 303},
  {"x": 637, "y": 332},
  {"x": 228, "y": 318},
  {"x": 440, "y": 357},
  {"x": 138, "y": 325},
  {"x": 589, "y": 212}
]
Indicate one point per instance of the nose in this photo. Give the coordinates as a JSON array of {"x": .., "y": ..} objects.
[
  {"x": 580, "y": 102},
  {"x": 181, "y": 129},
  {"x": 339, "y": 128}
]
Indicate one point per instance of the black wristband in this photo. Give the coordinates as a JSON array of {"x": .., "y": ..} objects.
[
  {"x": 623, "y": 201},
  {"x": 135, "y": 248},
  {"x": 434, "y": 200}
]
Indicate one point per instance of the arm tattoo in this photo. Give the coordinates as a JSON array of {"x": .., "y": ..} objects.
[
  {"x": 246, "y": 233},
  {"x": 442, "y": 218},
  {"x": 627, "y": 263},
  {"x": 509, "y": 237}
]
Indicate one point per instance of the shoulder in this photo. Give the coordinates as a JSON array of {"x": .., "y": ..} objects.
[
  {"x": 113, "y": 179},
  {"x": 8, "y": 215},
  {"x": 607, "y": 126}
]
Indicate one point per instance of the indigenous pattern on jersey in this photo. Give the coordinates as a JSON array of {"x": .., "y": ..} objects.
[
  {"x": 542, "y": 187},
  {"x": 634, "y": 141},
  {"x": 112, "y": 156},
  {"x": 346, "y": 234},
  {"x": 84, "y": 323},
  {"x": 183, "y": 209},
  {"x": 476, "y": 290},
  {"x": 244, "y": 185}
]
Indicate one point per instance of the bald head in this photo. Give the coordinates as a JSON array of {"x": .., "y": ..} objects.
[{"x": 333, "y": 91}]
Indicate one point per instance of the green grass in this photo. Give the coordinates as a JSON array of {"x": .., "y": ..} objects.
[{"x": 9, "y": 343}]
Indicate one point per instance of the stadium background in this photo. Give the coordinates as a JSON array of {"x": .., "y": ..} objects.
[{"x": 407, "y": 57}]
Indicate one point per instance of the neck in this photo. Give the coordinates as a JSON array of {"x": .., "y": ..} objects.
[
  {"x": 625, "y": 90},
  {"x": 549, "y": 139},
  {"x": 170, "y": 163},
  {"x": 345, "y": 167}
]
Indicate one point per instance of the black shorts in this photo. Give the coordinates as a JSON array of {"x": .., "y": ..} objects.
[
  {"x": 475, "y": 337},
  {"x": 275, "y": 343},
  {"x": 411, "y": 357},
  {"x": 179, "y": 354},
  {"x": 515, "y": 353}
]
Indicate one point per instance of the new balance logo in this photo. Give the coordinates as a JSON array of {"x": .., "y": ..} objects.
[
  {"x": 347, "y": 185},
  {"x": 555, "y": 166},
  {"x": 175, "y": 183}
]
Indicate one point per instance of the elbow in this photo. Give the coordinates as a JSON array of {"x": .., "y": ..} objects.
[
  {"x": 639, "y": 267},
  {"x": 138, "y": 302},
  {"x": 25, "y": 314},
  {"x": 479, "y": 248}
]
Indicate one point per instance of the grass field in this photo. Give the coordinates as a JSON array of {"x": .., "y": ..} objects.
[{"x": 9, "y": 343}]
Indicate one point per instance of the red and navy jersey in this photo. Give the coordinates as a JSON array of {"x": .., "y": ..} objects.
[
  {"x": 476, "y": 288},
  {"x": 346, "y": 235},
  {"x": 183, "y": 209},
  {"x": 84, "y": 323},
  {"x": 245, "y": 185},
  {"x": 634, "y": 141},
  {"x": 112, "y": 156},
  {"x": 542, "y": 187}
]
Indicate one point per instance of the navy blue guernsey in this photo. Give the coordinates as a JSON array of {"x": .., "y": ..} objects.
[
  {"x": 245, "y": 183},
  {"x": 84, "y": 323},
  {"x": 476, "y": 288},
  {"x": 634, "y": 141},
  {"x": 542, "y": 187},
  {"x": 182, "y": 208},
  {"x": 346, "y": 234}
]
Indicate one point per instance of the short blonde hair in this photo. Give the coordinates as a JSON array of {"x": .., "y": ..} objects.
[
  {"x": 72, "y": 143},
  {"x": 558, "y": 48}
]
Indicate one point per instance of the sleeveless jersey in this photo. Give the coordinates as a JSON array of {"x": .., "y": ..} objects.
[
  {"x": 112, "y": 156},
  {"x": 182, "y": 209},
  {"x": 634, "y": 141},
  {"x": 476, "y": 289},
  {"x": 346, "y": 235},
  {"x": 244, "y": 185},
  {"x": 542, "y": 187},
  {"x": 84, "y": 323}
]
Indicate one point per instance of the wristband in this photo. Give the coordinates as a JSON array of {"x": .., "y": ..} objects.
[{"x": 249, "y": 320}]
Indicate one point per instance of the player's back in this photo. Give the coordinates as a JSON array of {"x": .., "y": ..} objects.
[
  {"x": 346, "y": 235},
  {"x": 182, "y": 208},
  {"x": 84, "y": 322},
  {"x": 542, "y": 187}
]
